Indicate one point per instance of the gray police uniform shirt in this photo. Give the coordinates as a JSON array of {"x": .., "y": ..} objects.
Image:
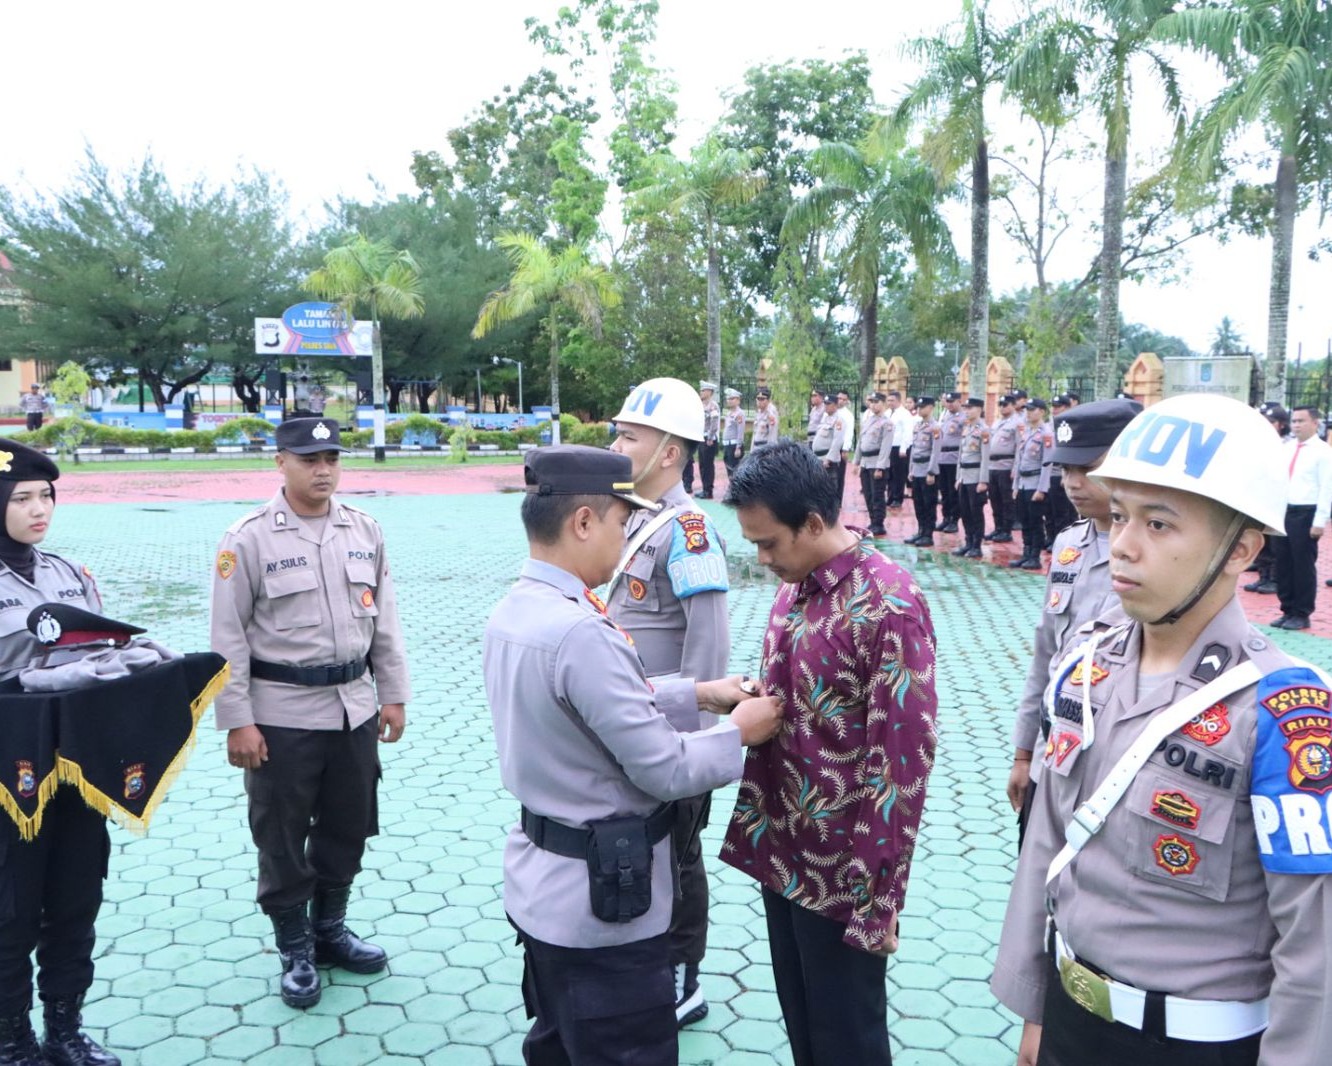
[
  {"x": 1209, "y": 880},
  {"x": 1077, "y": 590},
  {"x": 765, "y": 426},
  {"x": 950, "y": 436},
  {"x": 874, "y": 449},
  {"x": 1004, "y": 442},
  {"x": 54, "y": 580},
  {"x": 828, "y": 438},
  {"x": 283, "y": 594},
  {"x": 711, "y": 421},
  {"x": 812, "y": 423},
  {"x": 733, "y": 431},
  {"x": 973, "y": 455},
  {"x": 671, "y": 597},
  {"x": 926, "y": 447},
  {"x": 1033, "y": 468},
  {"x": 582, "y": 736}
]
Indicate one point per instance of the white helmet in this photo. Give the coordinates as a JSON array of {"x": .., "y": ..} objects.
[
  {"x": 1209, "y": 445},
  {"x": 670, "y": 405}
]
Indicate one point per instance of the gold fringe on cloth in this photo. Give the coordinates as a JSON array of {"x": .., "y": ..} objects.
[
  {"x": 70, "y": 773},
  {"x": 29, "y": 827}
]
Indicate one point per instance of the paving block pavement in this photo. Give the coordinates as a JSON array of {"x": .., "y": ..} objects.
[{"x": 186, "y": 972}]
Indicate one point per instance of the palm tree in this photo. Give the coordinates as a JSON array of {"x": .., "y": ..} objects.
[
  {"x": 716, "y": 177},
  {"x": 564, "y": 281},
  {"x": 868, "y": 202},
  {"x": 362, "y": 272},
  {"x": 1278, "y": 55},
  {"x": 961, "y": 67},
  {"x": 1096, "y": 45}
]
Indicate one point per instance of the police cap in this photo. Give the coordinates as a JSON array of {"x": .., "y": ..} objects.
[
  {"x": 306, "y": 436},
  {"x": 975, "y": 401},
  {"x": 18, "y": 462},
  {"x": 577, "y": 470},
  {"x": 1084, "y": 433},
  {"x": 829, "y": 397},
  {"x": 1019, "y": 394},
  {"x": 1038, "y": 403},
  {"x": 704, "y": 385},
  {"x": 62, "y": 625},
  {"x": 953, "y": 396},
  {"x": 924, "y": 401},
  {"x": 1061, "y": 400},
  {"x": 763, "y": 394},
  {"x": 1006, "y": 400},
  {"x": 732, "y": 393},
  {"x": 876, "y": 397}
]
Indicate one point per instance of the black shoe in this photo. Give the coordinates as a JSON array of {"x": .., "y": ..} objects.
[
  {"x": 878, "y": 531},
  {"x": 65, "y": 1044},
  {"x": 1002, "y": 538},
  {"x": 1254, "y": 567},
  {"x": 925, "y": 541},
  {"x": 1019, "y": 563},
  {"x": 964, "y": 550},
  {"x": 1267, "y": 588},
  {"x": 300, "y": 986},
  {"x": 1280, "y": 623},
  {"x": 335, "y": 944},
  {"x": 1328, "y": 582},
  {"x": 947, "y": 527},
  {"x": 1032, "y": 562},
  {"x": 1296, "y": 622},
  {"x": 690, "y": 1006},
  {"x": 990, "y": 535},
  {"x": 973, "y": 552},
  {"x": 703, "y": 496},
  {"x": 1252, "y": 586},
  {"x": 18, "y": 1043}
]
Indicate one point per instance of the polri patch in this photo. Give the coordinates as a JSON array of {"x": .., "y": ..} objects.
[
  {"x": 226, "y": 564},
  {"x": 1098, "y": 674},
  {"x": 367, "y": 598},
  {"x": 1176, "y": 807},
  {"x": 1209, "y": 727},
  {"x": 637, "y": 589},
  {"x": 695, "y": 532},
  {"x": 1067, "y": 556},
  {"x": 1175, "y": 855}
]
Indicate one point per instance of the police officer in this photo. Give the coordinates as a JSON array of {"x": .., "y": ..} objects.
[
  {"x": 950, "y": 440},
  {"x": 1033, "y": 481},
  {"x": 873, "y": 457},
  {"x": 1059, "y": 510},
  {"x": 815, "y": 415},
  {"x": 926, "y": 449},
  {"x": 586, "y": 746},
  {"x": 973, "y": 460},
  {"x": 733, "y": 432},
  {"x": 1003, "y": 452},
  {"x": 1177, "y": 861},
  {"x": 765, "y": 419},
  {"x": 829, "y": 442},
  {"x": 669, "y": 594},
  {"x": 1077, "y": 588},
  {"x": 305, "y": 610},
  {"x": 51, "y": 885},
  {"x": 707, "y": 448}
]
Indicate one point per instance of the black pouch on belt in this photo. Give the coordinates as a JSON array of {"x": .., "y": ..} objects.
[{"x": 619, "y": 868}]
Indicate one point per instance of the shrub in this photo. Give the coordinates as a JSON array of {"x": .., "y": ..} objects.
[{"x": 595, "y": 434}]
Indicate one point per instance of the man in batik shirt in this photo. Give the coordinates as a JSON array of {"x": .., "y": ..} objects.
[{"x": 828, "y": 810}]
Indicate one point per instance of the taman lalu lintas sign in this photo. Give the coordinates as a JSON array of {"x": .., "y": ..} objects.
[{"x": 312, "y": 329}]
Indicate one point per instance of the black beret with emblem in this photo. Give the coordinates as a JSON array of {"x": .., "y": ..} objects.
[
  {"x": 306, "y": 436},
  {"x": 18, "y": 462},
  {"x": 577, "y": 470},
  {"x": 1084, "y": 433}
]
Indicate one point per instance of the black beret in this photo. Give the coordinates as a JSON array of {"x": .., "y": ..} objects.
[
  {"x": 18, "y": 462},
  {"x": 577, "y": 470},
  {"x": 1084, "y": 433},
  {"x": 306, "y": 436}
]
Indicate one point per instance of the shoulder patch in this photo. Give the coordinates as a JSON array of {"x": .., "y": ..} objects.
[
  {"x": 226, "y": 564},
  {"x": 1292, "y": 772},
  {"x": 697, "y": 560}
]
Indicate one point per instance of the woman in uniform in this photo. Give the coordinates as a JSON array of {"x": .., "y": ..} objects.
[{"x": 51, "y": 885}]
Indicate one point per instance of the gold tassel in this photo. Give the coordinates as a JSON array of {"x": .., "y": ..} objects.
[{"x": 71, "y": 774}]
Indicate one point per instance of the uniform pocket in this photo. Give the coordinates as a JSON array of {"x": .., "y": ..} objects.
[
  {"x": 1181, "y": 833},
  {"x": 294, "y": 596},
  {"x": 363, "y": 583}
]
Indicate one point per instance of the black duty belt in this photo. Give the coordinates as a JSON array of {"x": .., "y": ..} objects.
[
  {"x": 875, "y": 452},
  {"x": 310, "y": 676},
  {"x": 949, "y": 451},
  {"x": 1030, "y": 473},
  {"x": 1008, "y": 456},
  {"x": 550, "y": 835},
  {"x": 970, "y": 466}
]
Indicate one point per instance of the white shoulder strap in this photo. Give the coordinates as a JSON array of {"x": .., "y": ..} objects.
[
  {"x": 640, "y": 538},
  {"x": 1088, "y": 818}
]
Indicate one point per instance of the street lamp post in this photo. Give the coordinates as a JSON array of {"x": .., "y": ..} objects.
[{"x": 497, "y": 360}]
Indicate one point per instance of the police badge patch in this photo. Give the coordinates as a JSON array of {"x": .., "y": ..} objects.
[
  {"x": 1067, "y": 556},
  {"x": 1175, "y": 855},
  {"x": 367, "y": 598},
  {"x": 27, "y": 779},
  {"x": 1210, "y": 726},
  {"x": 135, "y": 782},
  {"x": 226, "y": 564},
  {"x": 1309, "y": 742},
  {"x": 637, "y": 590},
  {"x": 1098, "y": 674},
  {"x": 1175, "y": 807}
]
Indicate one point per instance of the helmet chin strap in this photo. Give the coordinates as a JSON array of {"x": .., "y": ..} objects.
[
  {"x": 1234, "y": 530},
  {"x": 652, "y": 462}
]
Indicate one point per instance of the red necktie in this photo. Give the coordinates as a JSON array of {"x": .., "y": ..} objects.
[{"x": 1291, "y": 472}]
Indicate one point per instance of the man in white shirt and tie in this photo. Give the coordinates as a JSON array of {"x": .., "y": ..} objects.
[{"x": 1307, "y": 512}]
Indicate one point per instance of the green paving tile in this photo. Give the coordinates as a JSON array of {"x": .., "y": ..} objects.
[
  {"x": 478, "y": 1027},
  {"x": 174, "y": 1051},
  {"x": 976, "y": 1021},
  {"x": 308, "y": 1030},
  {"x": 435, "y": 1007},
  {"x": 749, "y": 1035},
  {"x": 350, "y": 1050},
  {"x": 242, "y": 1043},
  {"x": 206, "y": 1021},
  {"x": 415, "y": 1039},
  {"x": 135, "y": 1033}
]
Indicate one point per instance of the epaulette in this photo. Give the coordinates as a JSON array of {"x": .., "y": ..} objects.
[{"x": 241, "y": 522}]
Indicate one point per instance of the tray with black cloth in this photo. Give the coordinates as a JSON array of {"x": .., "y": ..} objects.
[{"x": 120, "y": 732}]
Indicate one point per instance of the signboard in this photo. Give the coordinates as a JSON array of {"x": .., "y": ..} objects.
[
  {"x": 312, "y": 329},
  {"x": 1226, "y": 375}
]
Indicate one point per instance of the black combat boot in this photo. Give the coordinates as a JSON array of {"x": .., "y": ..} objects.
[
  {"x": 296, "y": 948},
  {"x": 18, "y": 1043},
  {"x": 335, "y": 944},
  {"x": 65, "y": 1044}
]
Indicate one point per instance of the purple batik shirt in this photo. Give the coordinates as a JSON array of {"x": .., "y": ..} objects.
[{"x": 829, "y": 809}]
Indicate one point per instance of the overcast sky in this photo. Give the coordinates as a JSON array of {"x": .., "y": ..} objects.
[{"x": 323, "y": 95}]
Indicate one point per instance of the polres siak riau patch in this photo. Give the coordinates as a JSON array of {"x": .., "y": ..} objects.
[
  {"x": 27, "y": 779},
  {"x": 135, "y": 781},
  {"x": 1292, "y": 772},
  {"x": 695, "y": 532}
]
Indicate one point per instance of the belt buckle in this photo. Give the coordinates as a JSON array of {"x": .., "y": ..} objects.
[{"x": 1086, "y": 989}]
